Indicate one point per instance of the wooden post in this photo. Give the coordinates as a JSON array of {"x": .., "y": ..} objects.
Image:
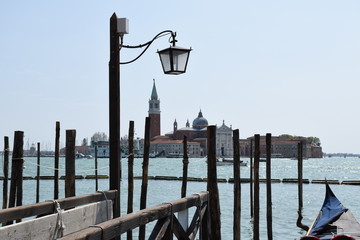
[
  {"x": 130, "y": 174},
  {"x": 268, "y": 187},
  {"x": 70, "y": 163},
  {"x": 256, "y": 235},
  {"x": 114, "y": 113},
  {"x": 38, "y": 174},
  {"x": 57, "y": 153},
  {"x": 300, "y": 185},
  {"x": 251, "y": 180},
  {"x": 96, "y": 169},
  {"x": 185, "y": 168},
  {"x": 144, "y": 183},
  {"x": 16, "y": 188},
  {"x": 183, "y": 216},
  {"x": 6, "y": 172},
  {"x": 237, "y": 186},
  {"x": 214, "y": 203}
]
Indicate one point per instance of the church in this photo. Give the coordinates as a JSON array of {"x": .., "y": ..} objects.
[{"x": 171, "y": 144}]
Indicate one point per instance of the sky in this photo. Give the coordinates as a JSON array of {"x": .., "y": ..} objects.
[{"x": 279, "y": 67}]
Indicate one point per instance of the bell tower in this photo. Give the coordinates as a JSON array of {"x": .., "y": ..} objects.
[{"x": 154, "y": 113}]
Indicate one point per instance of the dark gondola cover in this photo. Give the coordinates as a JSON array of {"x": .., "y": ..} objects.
[{"x": 334, "y": 221}]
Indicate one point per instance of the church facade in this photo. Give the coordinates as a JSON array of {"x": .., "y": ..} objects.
[{"x": 170, "y": 144}]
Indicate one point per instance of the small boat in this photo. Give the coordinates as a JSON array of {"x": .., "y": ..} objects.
[
  {"x": 334, "y": 221},
  {"x": 225, "y": 161}
]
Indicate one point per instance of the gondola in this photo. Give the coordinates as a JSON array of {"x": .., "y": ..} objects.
[{"x": 334, "y": 221}]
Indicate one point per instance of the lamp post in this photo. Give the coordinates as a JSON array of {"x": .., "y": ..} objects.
[{"x": 174, "y": 61}]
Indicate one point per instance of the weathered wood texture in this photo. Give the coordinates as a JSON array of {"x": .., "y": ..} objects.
[
  {"x": 212, "y": 187},
  {"x": 96, "y": 169},
  {"x": 47, "y": 227},
  {"x": 145, "y": 173},
  {"x": 185, "y": 167},
  {"x": 256, "y": 228},
  {"x": 114, "y": 112},
  {"x": 251, "y": 180},
  {"x": 16, "y": 186},
  {"x": 268, "y": 188},
  {"x": 6, "y": 172},
  {"x": 70, "y": 163},
  {"x": 300, "y": 187},
  {"x": 38, "y": 174},
  {"x": 130, "y": 174},
  {"x": 56, "y": 160},
  {"x": 118, "y": 226},
  {"x": 43, "y": 208},
  {"x": 183, "y": 216},
  {"x": 237, "y": 186}
]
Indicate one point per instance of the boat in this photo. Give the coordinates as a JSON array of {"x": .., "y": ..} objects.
[
  {"x": 226, "y": 161},
  {"x": 334, "y": 221}
]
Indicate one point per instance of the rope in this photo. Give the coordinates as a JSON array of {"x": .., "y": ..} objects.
[
  {"x": 59, "y": 226},
  {"x": 107, "y": 205}
]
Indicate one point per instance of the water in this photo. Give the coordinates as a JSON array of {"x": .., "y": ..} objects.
[{"x": 284, "y": 195}]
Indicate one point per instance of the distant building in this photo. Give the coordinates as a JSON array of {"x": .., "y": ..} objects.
[
  {"x": 103, "y": 150},
  {"x": 282, "y": 147},
  {"x": 171, "y": 143}
]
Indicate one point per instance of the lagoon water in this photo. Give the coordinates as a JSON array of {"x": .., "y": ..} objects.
[{"x": 284, "y": 195}]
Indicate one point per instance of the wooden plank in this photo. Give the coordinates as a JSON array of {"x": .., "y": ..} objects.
[
  {"x": 117, "y": 226},
  {"x": 48, "y": 207},
  {"x": 44, "y": 228}
]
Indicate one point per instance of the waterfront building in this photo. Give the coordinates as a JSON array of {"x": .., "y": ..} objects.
[
  {"x": 284, "y": 147},
  {"x": 102, "y": 148}
]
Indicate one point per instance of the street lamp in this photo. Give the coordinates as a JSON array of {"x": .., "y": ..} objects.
[{"x": 173, "y": 60}]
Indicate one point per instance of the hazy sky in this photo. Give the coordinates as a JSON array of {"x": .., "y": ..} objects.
[{"x": 263, "y": 66}]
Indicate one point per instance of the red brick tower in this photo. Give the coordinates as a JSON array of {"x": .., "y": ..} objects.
[{"x": 154, "y": 113}]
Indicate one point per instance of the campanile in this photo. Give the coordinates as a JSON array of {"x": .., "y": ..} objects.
[{"x": 154, "y": 113}]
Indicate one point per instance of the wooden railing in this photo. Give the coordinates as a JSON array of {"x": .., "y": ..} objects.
[
  {"x": 17, "y": 213},
  {"x": 167, "y": 224}
]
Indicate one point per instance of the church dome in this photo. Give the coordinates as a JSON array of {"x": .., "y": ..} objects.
[{"x": 200, "y": 122}]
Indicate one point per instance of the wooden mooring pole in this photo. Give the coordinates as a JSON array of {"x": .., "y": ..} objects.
[
  {"x": 96, "y": 169},
  {"x": 185, "y": 168},
  {"x": 300, "y": 187},
  {"x": 251, "y": 180},
  {"x": 183, "y": 216},
  {"x": 38, "y": 174},
  {"x": 16, "y": 187},
  {"x": 57, "y": 153},
  {"x": 70, "y": 163},
  {"x": 214, "y": 202},
  {"x": 6, "y": 172},
  {"x": 145, "y": 174},
  {"x": 130, "y": 174},
  {"x": 268, "y": 187},
  {"x": 237, "y": 186},
  {"x": 114, "y": 113},
  {"x": 256, "y": 229}
]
